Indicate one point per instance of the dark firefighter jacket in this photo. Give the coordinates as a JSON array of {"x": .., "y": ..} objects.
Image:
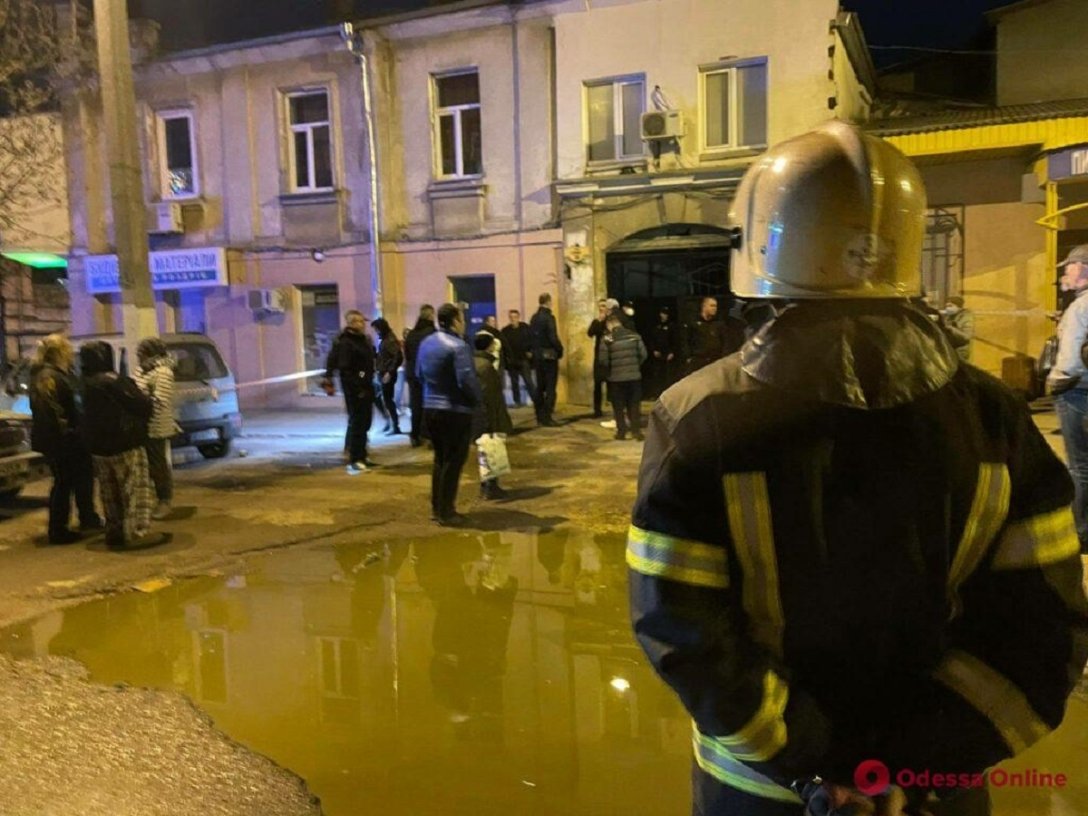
[{"x": 867, "y": 552}]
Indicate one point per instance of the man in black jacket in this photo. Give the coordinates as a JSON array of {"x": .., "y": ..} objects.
[
  {"x": 851, "y": 556},
  {"x": 662, "y": 348},
  {"x": 423, "y": 327},
  {"x": 708, "y": 338},
  {"x": 55, "y": 433},
  {"x": 352, "y": 355},
  {"x": 547, "y": 352},
  {"x": 517, "y": 350}
]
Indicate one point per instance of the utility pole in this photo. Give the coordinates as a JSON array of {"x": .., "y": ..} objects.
[
  {"x": 126, "y": 178},
  {"x": 354, "y": 41}
]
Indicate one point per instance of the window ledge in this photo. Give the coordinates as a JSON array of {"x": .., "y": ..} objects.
[
  {"x": 330, "y": 196},
  {"x": 195, "y": 200},
  {"x": 731, "y": 153},
  {"x": 638, "y": 163},
  {"x": 457, "y": 188}
]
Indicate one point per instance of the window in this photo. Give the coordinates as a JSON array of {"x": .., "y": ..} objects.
[
  {"x": 942, "y": 254},
  {"x": 457, "y": 125},
  {"x": 614, "y": 118},
  {"x": 177, "y": 154},
  {"x": 311, "y": 141},
  {"x": 734, "y": 105}
]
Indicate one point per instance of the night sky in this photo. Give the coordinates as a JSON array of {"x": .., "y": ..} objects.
[{"x": 192, "y": 23}]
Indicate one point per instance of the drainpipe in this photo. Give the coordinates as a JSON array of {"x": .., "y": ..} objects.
[{"x": 354, "y": 41}]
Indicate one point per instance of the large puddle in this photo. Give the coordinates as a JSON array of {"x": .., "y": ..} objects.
[{"x": 467, "y": 674}]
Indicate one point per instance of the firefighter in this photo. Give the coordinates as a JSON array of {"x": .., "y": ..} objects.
[{"x": 846, "y": 545}]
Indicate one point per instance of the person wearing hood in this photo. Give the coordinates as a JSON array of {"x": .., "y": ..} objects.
[
  {"x": 390, "y": 358},
  {"x": 352, "y": 356},
  {"x": 55, "y": 433},
  {"x": 491, "y": 416},
  {"x": 116, "y": 415},
  {"x": 849, "y": 552},
  {"x": 423, "y": 327},
  {"x": 155, "y": 376}
]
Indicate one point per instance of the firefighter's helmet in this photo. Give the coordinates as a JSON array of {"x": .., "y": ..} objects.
[{"x": 833, "y": 213}]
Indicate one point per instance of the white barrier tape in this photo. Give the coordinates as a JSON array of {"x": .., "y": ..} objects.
[{"x": 189, "y": 389}]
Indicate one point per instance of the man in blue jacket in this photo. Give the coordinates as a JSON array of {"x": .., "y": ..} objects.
[{"x": 451, "y": 392}]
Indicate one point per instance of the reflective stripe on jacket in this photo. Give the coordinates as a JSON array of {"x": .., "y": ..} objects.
[{"x": 822, "y": 585}]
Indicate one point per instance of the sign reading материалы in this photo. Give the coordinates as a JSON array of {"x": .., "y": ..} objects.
[{"x": 170, "y": 269}]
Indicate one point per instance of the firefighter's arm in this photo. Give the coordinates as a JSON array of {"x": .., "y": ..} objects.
[
  {"x": 1019, "y": 639},
  {"x": 686, "y": 611}
]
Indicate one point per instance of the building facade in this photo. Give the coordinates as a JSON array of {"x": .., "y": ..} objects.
[
  {"x": 578, "y": 149},
  {"x": 517, "y": 157},
  {"x": 1008, "y": 185},
  {"x": 34, "y": 233},
  {"x": 255, "y": 181}
]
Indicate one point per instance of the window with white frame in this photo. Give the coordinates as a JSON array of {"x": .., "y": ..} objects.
[
  {"x": 457, "y": 125},
  {"x": 177, "y": 154},
  {"x": 310, "y": 151},
  {"x": 734, "y": 98},
  {"x": 614, "y": 110}
]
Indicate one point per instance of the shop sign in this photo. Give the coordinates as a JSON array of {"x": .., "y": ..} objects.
[
  {"x": 1067, "y": 164},
  {"x": 170, "y": 269}
]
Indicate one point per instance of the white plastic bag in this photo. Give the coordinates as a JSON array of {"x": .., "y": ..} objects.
[{"x": 494, "y": 462}]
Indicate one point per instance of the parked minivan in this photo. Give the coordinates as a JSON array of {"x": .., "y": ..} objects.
[{"x": 205, "y": 395}]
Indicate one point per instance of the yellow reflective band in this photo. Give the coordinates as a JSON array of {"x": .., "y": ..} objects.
[
  {"x": 994, "y": 696},
  {"x": 987, "y": 514},
  {"x": 1033, "y": 542},
  {"x": 748, "y": 506},
  {"x": 677, "y": 559},
  {"x": 727, "y": 769},
  {"x": 765, "y": 734}
]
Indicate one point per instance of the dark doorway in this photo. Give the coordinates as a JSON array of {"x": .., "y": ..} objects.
[
  {"x": 478, "y": 291},
  {"x": 676, "y": 278}
]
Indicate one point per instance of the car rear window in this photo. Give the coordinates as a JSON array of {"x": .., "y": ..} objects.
[{"x": 196, "y": 362}]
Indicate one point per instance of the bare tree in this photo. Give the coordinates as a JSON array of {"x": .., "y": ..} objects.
[{"x": 35, "y": 56}]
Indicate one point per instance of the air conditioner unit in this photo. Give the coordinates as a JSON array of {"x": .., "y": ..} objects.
[
  {"x": 666, "y": 124},
  {"x": 168, "y": 218},
  {"x": 267, "y": 300}
]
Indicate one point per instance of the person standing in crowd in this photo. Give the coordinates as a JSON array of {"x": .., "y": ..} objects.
[
  {"x": 451, "y": 392},
  {"x": 390, "y": 358},
  {"x": 624, "y": 354},
  {"x": 424, "y": 326},
  {"x": 116, "y": 415},
  {"x": 597, "y": 330},
  {"x": 846, "y": 545},
  {"x": 959, "y": 323},
  {"x": 1068, "y": 382},
  {"x": 547, "y": 352},
  {"x": 155, "y": 377},
  {"x": 708, "y": 338},
  {"x": 56, "y": 433},
  {"x": 517, "y": 350},
  {"x": 626, "y": 314},
  {"x": 352, "y": 356},
  {"x": 491, "y": 326},
  {"x": 662, "y": 348},
  {"x": 491, "y": 416}
]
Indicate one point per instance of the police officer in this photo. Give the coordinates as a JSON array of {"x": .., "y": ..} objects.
[{"x": 847, "y": 546}]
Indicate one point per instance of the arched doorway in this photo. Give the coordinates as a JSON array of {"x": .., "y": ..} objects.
[{"x": 674, "y": 266}]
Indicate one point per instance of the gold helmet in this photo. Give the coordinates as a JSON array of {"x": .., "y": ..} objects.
[{"x": 833, "y": 213}]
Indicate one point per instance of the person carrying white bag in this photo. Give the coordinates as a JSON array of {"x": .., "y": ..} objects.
[{"x": 491, "y": 422}]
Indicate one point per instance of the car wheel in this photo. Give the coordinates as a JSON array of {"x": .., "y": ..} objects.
[{"x": 214, "y": 450}]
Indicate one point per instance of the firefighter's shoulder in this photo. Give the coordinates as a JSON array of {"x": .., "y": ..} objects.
[{"x": 722, "y": 386}]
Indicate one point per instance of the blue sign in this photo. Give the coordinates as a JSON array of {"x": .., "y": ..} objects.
[
  {"x": 1069, "y": 163},
  {"x": 170, "y": 269}
]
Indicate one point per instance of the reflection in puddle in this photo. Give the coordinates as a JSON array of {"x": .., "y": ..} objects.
[
  {"x": 464, "y": 674},
  {"x": 482, "y": 674}
]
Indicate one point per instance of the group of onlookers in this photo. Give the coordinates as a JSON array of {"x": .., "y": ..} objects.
[
  {"x": 107, "y": 427},
  {"x": 620, "y": 354}
]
